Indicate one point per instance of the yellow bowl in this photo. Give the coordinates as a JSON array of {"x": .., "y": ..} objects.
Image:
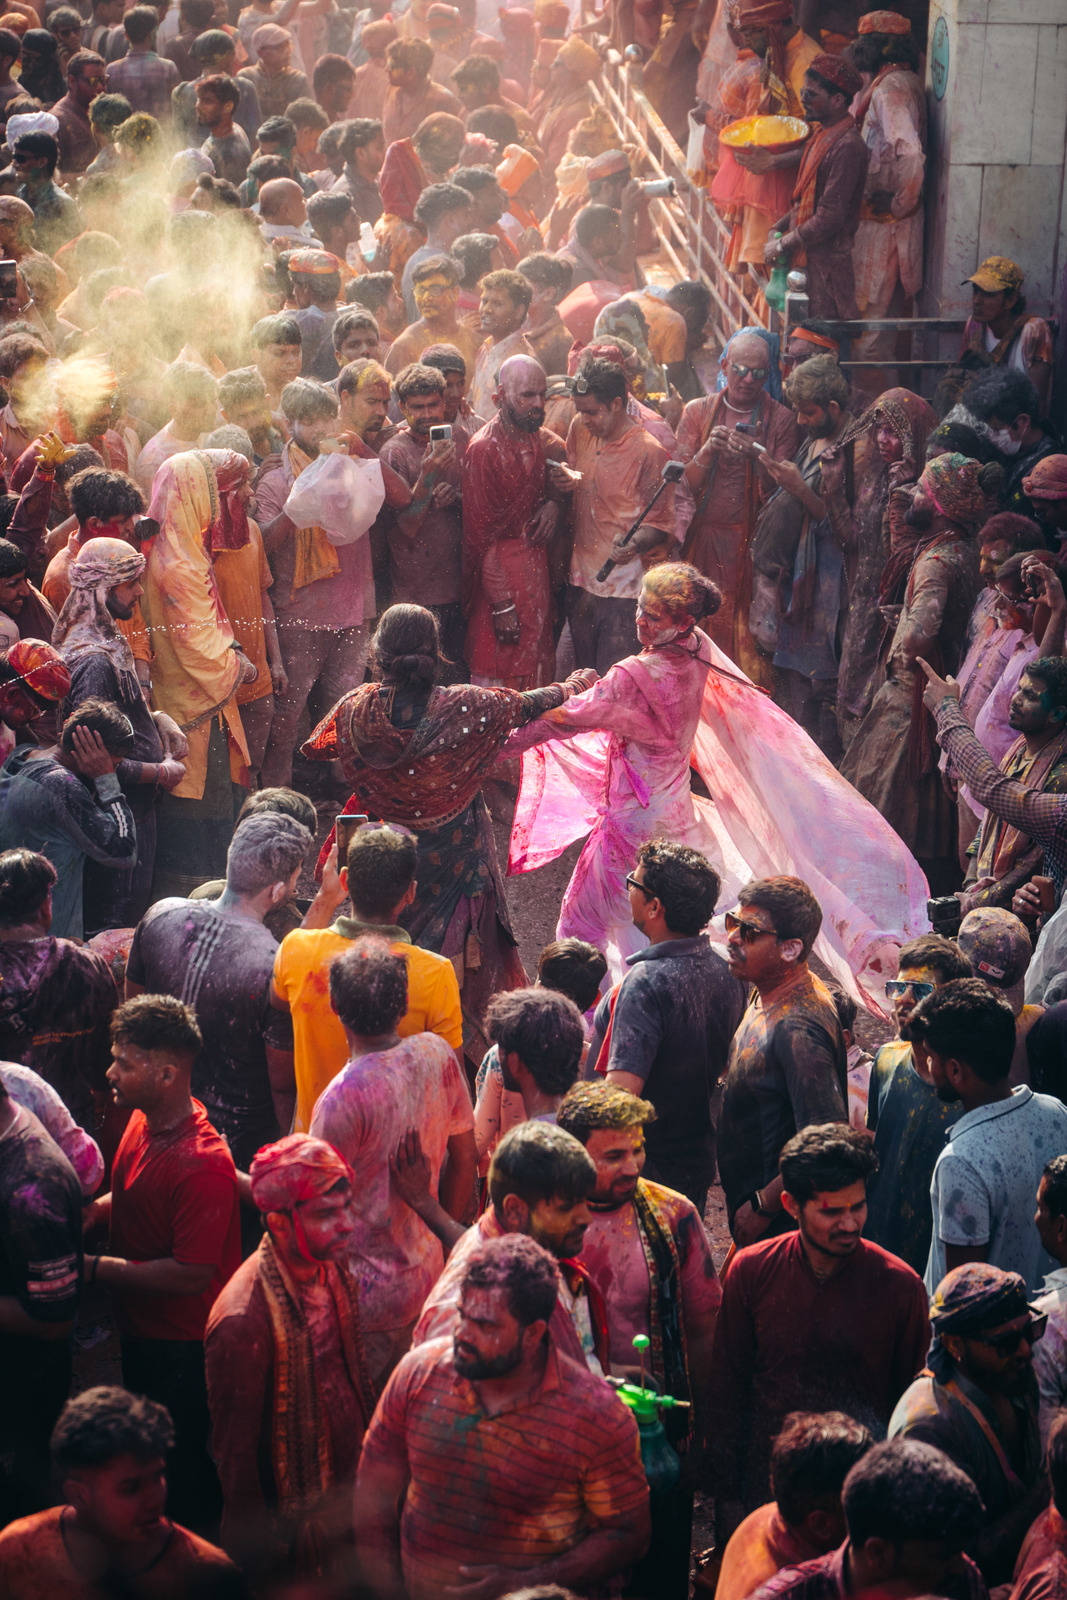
[{"x": 773, "y": 134}]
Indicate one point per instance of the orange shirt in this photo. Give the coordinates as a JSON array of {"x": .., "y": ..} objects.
[
  {"x": 302, "y": 979},
  {"x": 56, "y": 587},
  {"x": 36, "y": 1566},
  {"x": 243, "y": 576},
  {"x": 667, "y": 331},
  {"x": 761, "y": 1546}
]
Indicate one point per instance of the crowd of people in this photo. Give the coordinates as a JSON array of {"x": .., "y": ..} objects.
[{"x": 363, "y": 496}]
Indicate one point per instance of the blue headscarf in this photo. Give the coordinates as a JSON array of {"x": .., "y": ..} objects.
[{"x": 773, "y": 343}]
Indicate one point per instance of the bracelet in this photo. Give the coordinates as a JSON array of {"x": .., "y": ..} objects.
[
  {"x": 95, "y": 1268},
  {"x": 757, "y": 1204},
  {"x": 502, "y": 611}
]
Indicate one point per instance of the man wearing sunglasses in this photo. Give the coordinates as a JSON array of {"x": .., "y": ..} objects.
[
  {"x": 978, "y": 1402},
  {"x": 788, "y": 1063},
  {"x": 906, "y": 1116}
]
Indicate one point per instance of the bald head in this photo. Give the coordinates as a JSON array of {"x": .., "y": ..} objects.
[
  {"x": 520, "y": 393},
  {"x": 282, "y": 201},
  {"x": 16, "y": 218},
  {"x": 519, "y": 372}
]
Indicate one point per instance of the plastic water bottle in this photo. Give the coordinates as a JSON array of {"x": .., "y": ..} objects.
[{"x": 775, "y": 292}]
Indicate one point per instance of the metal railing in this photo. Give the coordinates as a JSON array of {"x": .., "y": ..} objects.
[
  {"x": 691, "y": 234},
  {"x": 694, "y": 239}
]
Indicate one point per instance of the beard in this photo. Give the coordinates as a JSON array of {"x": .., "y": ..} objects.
[
  {"x": 120, "y": 613},
  {"x": 1014, "y": 1382},
  {"x": 915, "y": 518},
  {"x": 947, "y": 1093},
  {"x": 527, "y": 424},
  {"x": 469, "y": 1364},
  {"x": 821, "y": 430}
]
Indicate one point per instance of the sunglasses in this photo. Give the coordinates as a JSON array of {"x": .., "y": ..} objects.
[
  {"x": 896, "y": 988},
  {"x": 632, "y": 883},
  {"x": 1006, "y": 1344},
  {"x": 749, "y": 931},
  {"x": 761, "y": 374}
]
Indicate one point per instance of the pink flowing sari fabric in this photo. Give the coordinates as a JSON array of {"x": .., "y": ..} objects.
[{"x": 778, "y": 807}]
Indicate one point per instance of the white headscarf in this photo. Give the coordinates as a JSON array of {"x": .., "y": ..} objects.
[{"x": 85, "y": 625}]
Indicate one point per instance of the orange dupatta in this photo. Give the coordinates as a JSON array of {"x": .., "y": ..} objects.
[
  {"x": 315, "y": 557},
  {"x": 804, "y": 193}
]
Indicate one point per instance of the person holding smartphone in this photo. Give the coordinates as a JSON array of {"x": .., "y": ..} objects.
[{"x": 426, "y": 540}]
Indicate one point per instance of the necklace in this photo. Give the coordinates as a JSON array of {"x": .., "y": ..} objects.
[
  {"x": 134, "y": 1574},
  {"x": 740, "y": 411}
]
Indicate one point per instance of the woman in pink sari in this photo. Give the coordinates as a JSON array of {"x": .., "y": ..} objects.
[
  {"x": 651, "y": 702},
  {"x": 775, "y": 804}
]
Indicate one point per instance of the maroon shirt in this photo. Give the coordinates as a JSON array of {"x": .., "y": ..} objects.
[
  {"x": 77, "y": 147},
  {"x": 828, "y": 235},
  {"x": 786, "y": 1342},
  {"x": 241, "y": 1376},
  {"x": 826, "y": 1578},
  {"x": 426, "y": 570}
]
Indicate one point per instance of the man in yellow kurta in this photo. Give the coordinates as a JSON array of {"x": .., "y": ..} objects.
[{"x": 197, "y": 668}]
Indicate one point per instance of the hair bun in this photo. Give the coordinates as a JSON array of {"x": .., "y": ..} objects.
[{"x": 712, "y": 599}]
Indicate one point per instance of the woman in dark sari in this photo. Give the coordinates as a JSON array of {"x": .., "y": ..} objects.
[{"x": 417, "y": 753}]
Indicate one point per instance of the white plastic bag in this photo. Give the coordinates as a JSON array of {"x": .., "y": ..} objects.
[
  {"x": 695, "y": 160},
  {"x": 340, "y": 494}
]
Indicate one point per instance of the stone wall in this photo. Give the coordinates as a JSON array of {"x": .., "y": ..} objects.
[{"x": 995, "y": 174}]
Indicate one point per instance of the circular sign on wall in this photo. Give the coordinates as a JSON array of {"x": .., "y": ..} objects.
[{"x": 939, "y": 58}]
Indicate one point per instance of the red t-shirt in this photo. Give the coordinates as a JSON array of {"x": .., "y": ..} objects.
[{"x": 174, "y": 1194}]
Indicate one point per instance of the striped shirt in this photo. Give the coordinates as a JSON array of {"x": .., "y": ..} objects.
[{"x": 512, "y": 1490}]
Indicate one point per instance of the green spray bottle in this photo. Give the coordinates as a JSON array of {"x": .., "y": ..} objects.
[
  {"x": 658, "y": 1456},
  {"x": 775, "y": 290}
]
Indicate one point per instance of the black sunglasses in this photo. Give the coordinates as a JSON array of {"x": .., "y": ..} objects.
[{"x": 1006, "y": 1344}]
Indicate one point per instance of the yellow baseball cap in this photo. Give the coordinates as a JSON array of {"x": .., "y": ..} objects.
[{"x": 996, "y": 275}]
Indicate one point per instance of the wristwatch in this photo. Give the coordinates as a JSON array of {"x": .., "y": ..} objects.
[{"x": 756, "y": 1203}]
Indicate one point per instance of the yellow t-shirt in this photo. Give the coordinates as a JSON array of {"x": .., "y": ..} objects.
[
  {"x": 302, "y": 977},
  {"x": 667, "y": 331}
]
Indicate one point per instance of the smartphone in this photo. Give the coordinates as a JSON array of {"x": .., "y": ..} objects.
[
  {"x": 571, "y": 473},
  {"x": 9, "y": 280},
  {"x": 345, "y": 826},
  {"x": 441, "y": 432}
]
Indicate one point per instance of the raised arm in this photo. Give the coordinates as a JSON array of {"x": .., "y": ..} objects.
[{"x": 1042, "y": 816}]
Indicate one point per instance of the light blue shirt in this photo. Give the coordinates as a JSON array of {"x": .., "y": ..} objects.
[{"x": 984, "y": 1187}]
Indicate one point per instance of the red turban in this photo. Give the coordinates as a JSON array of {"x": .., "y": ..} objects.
[
  {"x": 884, "y": 22},
  {"x": 40, "y": 668},
  {"x": 841, "y": 73},
  {"x": 314, "y": 263},
  {"x": 296, "y": 1169},
  {"x": 763, "y": 13},
  {"x": 1048, "y": 481}
]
